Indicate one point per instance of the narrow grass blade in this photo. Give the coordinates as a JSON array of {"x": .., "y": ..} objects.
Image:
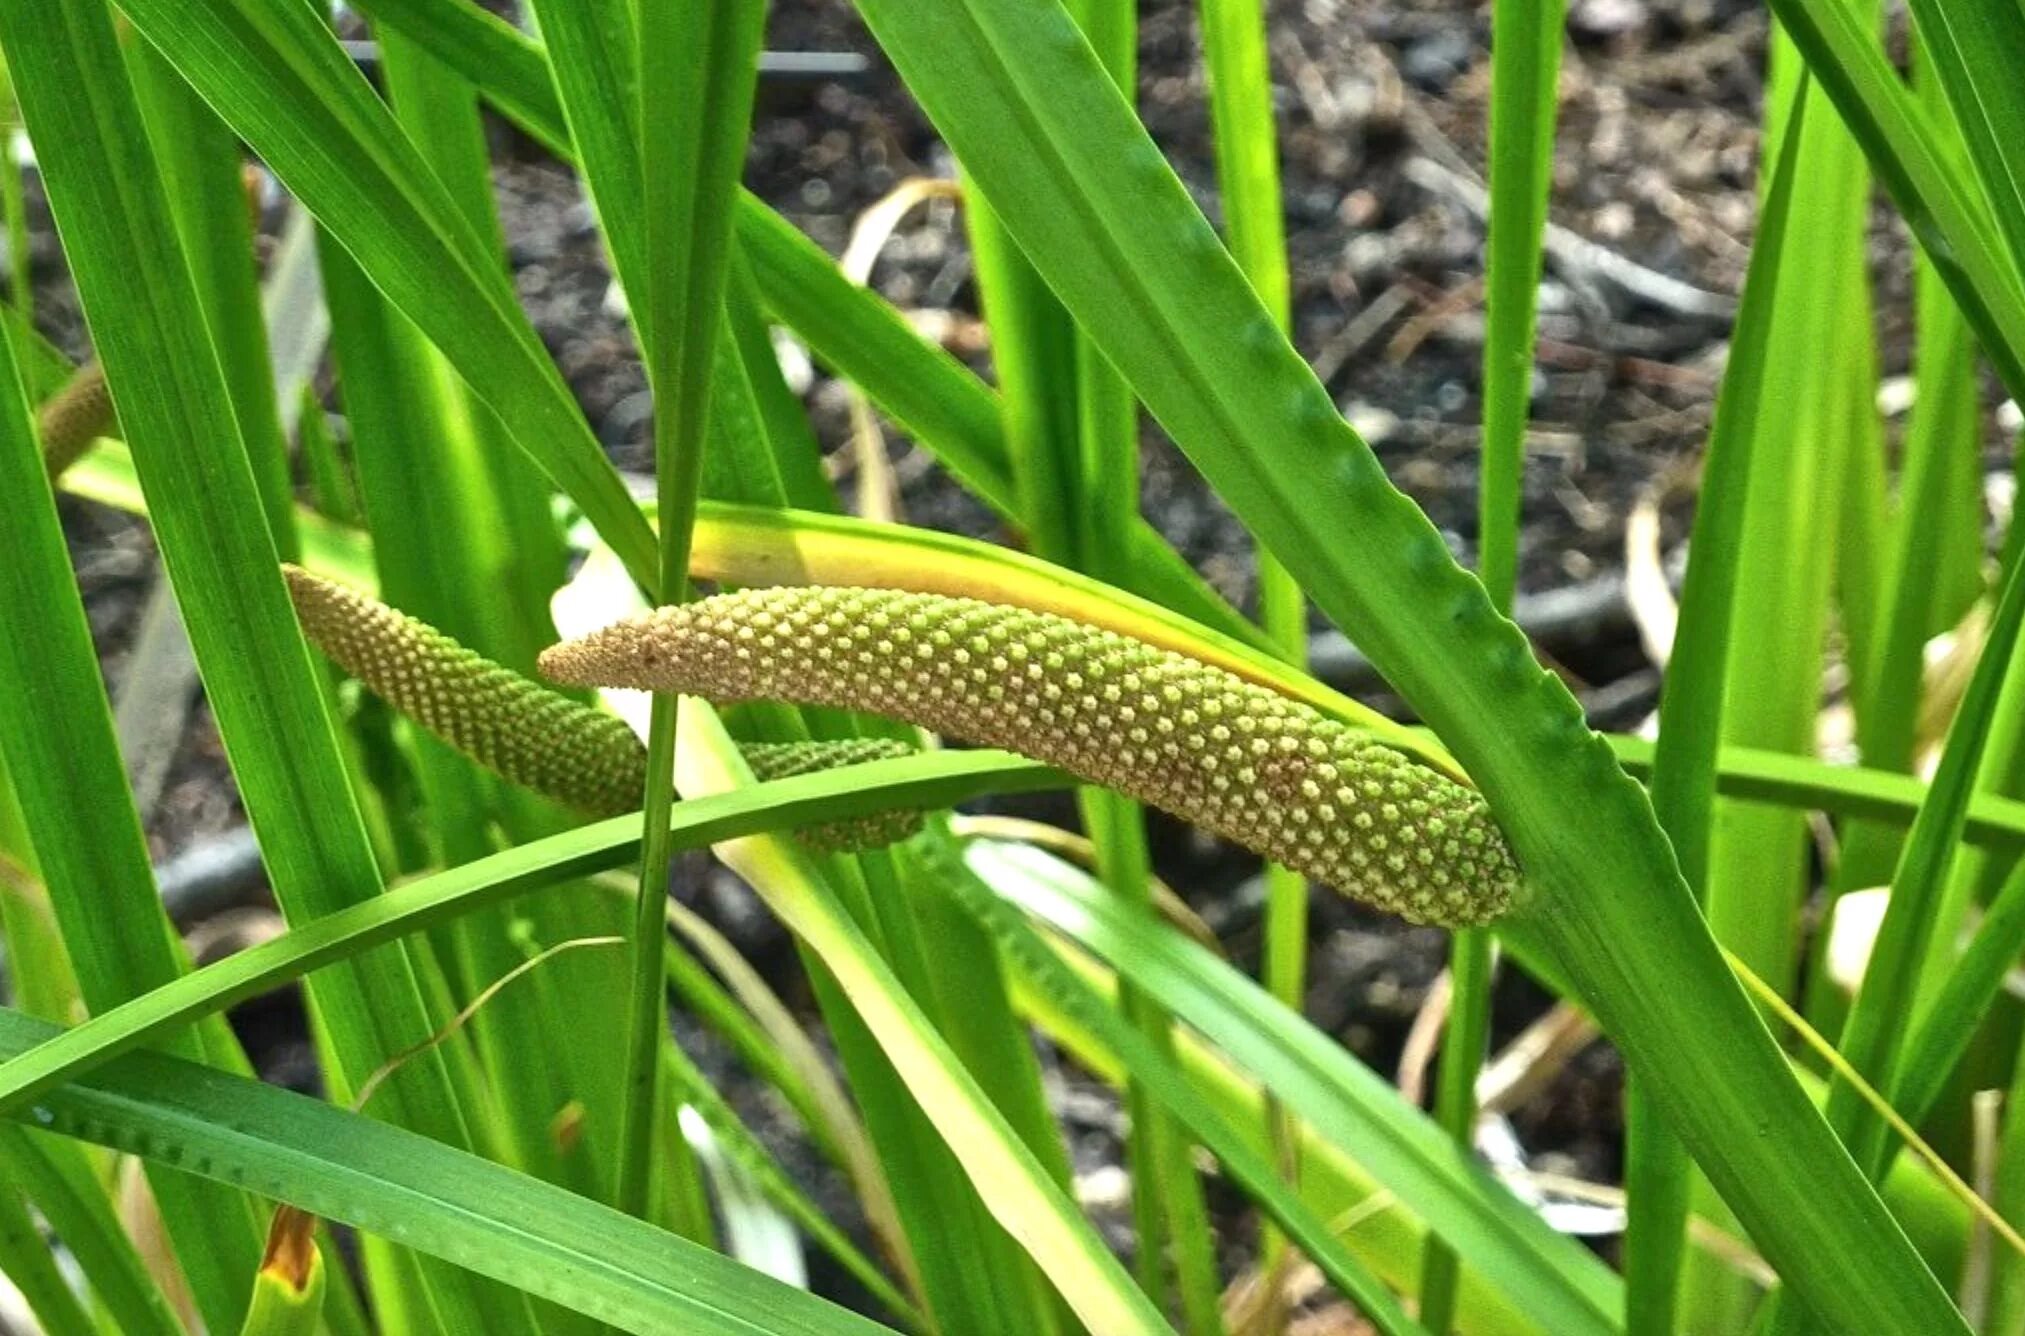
[
  {"x": 339, "y": 551},
  {"x": 332, "y": 492},
  {"x": 1248, "y": 183},
  {"x": 2007, "y": 1284},
  {"x": 487, "y": 50},
  {"x": 1072, "y": 434},
  {"x": 1931, "y": 575},
  {"x": 513, "y": 557},
  {"x": 1816, "y": 435},
  {"x": 796, "y": 457},
  {"x": 1994, "y": 822},
  {"x": 948, "y": 969},
  {"x": 62, "y": 759},
  {"x": 771, "y": 1040},
  {"x": 1973, "y": 980},
  {"x": 1874, "y": 1036},
  {"x": 1788, "y": 538},
  {"x": 650, "y": 210},
  {"x": 1685, "y": 761},
  {"x": 56, "y": 737},
  {"x": 848, "y": 327},
  {"x": 1377, "y": 1228},
  {"x": 201, "y": 167},
  {"x": 1526, "y": 38},
  {"x": 483, "y": 568},
  {"x": 27, "y": 1260},
  {"x": 752, "y": 1158},
  {"x": 14, "y": 201},
  {"x": 1948, "y": 213},
  {"x": 929, "y": 780},
  {"x": 38, "y": 964}
]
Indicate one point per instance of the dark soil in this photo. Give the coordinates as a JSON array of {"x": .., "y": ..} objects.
[{"x": 1656, "y": 162}]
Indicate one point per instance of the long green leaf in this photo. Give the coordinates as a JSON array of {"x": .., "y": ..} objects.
[
  {"x": 1525, "y": 77},
  {"x": 1977, "y": 51},
  {"x": 428, "y": 1196},
  {"x": 1072, "y": 436},
  {"x": 56, "y": 736},
  {"x": 1973, "y": 981},
  {"x": 27, "y": 1260},
  {"x": 697, "y": 66},
  {"x": 1875, "y": 1034},
  {"x": 1163, "y": 1079},
  {"x": 60, "y": 1182},
  {"x": 422, "y": 444},
  {"x": 1248, "y": 183},
  {"x": 1685, "y": 761},
  {"x": 1526, "y": 38},
  {"x": 1333, "y": 1182},
  {"x": 1994, "y": 822},
  {"x": 165, "y": 377},
  {"x": 206, "y": 512},
  {"x": 488, "y": 50},
  {"x": 279, "y": 79},
  {"x": 929, "y": 780},
  {"x": 1931, "y": 564},
  {"x": 200, "y": 164},
  {"x": 1087, "y": 195},
  {"x": 1935, "y": 573},
  {"x": 744, "y": 1149}
]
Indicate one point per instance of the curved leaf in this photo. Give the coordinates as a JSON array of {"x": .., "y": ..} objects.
[
  {"x": 932, "y": 780},
  {"x": 1087, "y": 195},
  {"x": 421, "y": 1194}
]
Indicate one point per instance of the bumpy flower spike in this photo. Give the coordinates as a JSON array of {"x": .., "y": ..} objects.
[
  {"x": 75, "y": 416},
  {"x": 1271, "y": 773},
  {"x": 779, "y": 760},
  {"x": 537, "y": 737},
  {"x": 519, "y": 728}
]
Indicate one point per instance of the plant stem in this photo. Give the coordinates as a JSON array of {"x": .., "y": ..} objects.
[
  {"x": 1248, "y": 176},
  {"x": 1525, "y": 65},
  {"x": 697, "y": 66}
]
